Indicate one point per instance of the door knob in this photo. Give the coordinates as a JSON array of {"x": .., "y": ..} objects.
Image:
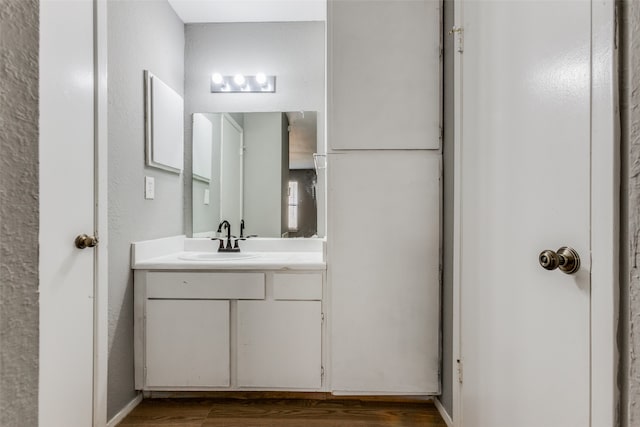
[
  {"x": 84, "y": 241},
  {"x": 565, "y": 258}
]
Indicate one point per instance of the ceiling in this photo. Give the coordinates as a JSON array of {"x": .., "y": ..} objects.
[{"x": 191, "y": 11}]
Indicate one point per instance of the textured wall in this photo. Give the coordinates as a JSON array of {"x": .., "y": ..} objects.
[
  {"x": 141, "y": 35},
  {"x": 629, "y": 331},
  {"x": 293, "y": 51},
  {"x": 19, "y": 213}
]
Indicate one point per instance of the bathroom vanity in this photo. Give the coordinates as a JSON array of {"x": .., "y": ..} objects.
[
  {"x": 266, "y": 319},
  {"x": 247, "y": 321}
]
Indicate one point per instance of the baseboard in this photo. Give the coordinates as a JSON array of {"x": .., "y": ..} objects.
[
  {"x": 443, "y": 412},
  {"x": 113, "y": 422},
  {"x": 270, "y": 394}
]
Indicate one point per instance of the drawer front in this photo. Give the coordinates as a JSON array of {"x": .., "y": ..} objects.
[
  {"x": 297, "y": 286},
  {"x": 179, "y": 285}
]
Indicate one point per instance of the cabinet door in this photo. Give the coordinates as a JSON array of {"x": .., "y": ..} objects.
[
  {"x": 384, "y": 271},
  {"x": 279, "y": 344},
  {"x": 383, "y": 74},
  {"x": 187, "y": 343}
]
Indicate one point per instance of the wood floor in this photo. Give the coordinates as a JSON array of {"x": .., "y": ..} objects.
[{"x": 281, "y": 413}]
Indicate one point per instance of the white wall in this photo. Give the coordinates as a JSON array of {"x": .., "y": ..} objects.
[
  {"x": 141, "y": 35},
  {"x": 293, "y": 51},
  {"x": 263, "y": 173},
  {"x": 19, "y": 215}
]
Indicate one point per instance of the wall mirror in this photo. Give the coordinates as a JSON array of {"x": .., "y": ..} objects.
[
  {"x": 249, "y": 156},
  {"x": 258, "y": 167}
]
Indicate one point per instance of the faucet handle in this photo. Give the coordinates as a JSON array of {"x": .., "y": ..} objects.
[
  {"x": 235, "y": 244},
  {"x": 221, "y": 242}
]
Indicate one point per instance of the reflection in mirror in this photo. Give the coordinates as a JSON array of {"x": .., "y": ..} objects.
[
  {"x": 231, "y": 171},
  {"x": 256, "y": 167}
]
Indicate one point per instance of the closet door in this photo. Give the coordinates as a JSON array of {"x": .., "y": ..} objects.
[
  {"x": 384, "y": 74},
  {"x": 384, "y": 271},
  {"x": 384, "y": 195}
]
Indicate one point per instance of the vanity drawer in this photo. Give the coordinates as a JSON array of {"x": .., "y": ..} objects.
[
  {"x": 179, "y": 285},
  {"x": 297, "y": 286}
]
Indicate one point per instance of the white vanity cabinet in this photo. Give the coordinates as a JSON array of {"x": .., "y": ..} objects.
[{"x": 239, "y": 330}]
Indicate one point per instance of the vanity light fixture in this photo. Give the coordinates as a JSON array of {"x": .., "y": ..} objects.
[
  {"x": 216, "y": 78},
  {"x": 260, "y": 83},
  {"x": 239, "y": 80},
  {"x": 261, "y": 78}
]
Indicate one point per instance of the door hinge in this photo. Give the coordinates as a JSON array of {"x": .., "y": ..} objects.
[
  {"x": 459, "y": 40},
  {"x": 321, "y": 371},
  {"x": 322, "y": 317},
  {"x": 144, "y": 381},
  {"x": 459, "y": 362}
]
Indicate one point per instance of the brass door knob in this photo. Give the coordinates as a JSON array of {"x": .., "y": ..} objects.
[
  {"x": 565, "y": 258},
  {"x": 83, "y": 241}
]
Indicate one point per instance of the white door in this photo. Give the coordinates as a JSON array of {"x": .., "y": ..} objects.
[
  {"x": 525, "y": 186},
  {"x": 66, "y": 210},
  {"x": 231, "y": 173}
]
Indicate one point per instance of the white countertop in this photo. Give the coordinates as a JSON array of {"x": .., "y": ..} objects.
[
  {"x": 262, "y": 261},
  {"x": 169, "y": 253}
]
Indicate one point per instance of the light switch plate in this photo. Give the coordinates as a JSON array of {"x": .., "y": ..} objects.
[
  {"x": 149, "y": 187},
  {"x": 206, "y": 196}
]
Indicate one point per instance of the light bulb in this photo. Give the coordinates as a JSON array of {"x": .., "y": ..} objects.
[
  {"x": 261, "y": 78},
  {"x": 239, "y": 79},
  {"x": 216, "y": 78}
]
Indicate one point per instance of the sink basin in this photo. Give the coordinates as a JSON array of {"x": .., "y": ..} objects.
[{"x": 216, "y": 256}]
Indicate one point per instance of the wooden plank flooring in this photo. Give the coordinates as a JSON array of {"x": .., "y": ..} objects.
[{"x": 282, "y": 413}]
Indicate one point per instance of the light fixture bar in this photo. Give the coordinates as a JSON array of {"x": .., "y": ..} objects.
[{"x": 239, "y": 83}]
